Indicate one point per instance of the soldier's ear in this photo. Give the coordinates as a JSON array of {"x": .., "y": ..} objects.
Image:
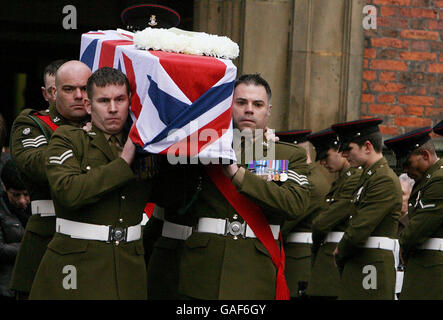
[
  {"x": 45, "y": 95},
  {"x": 268, "y": 113},
  {"x": 88, "y": 105},
  {"x": 54, "y": 91}
]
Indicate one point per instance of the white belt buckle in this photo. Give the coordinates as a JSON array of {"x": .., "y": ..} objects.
[
  {"x": 117, "y": 234},
  {"x": 235, "y": 228}
]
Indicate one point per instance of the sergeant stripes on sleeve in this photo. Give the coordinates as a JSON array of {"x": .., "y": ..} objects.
[
  {"x": 36, "y": 142},
  {"x": 299, "y": 178},
  {"x": 59, "y": 160}
]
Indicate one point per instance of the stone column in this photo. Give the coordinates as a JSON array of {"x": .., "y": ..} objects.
[
  {"x": 326, "y": 57},
  {"x": 310, "y": 51}
]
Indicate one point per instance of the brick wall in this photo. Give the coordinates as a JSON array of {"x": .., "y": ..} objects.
[{"x": 403, "y": 65}]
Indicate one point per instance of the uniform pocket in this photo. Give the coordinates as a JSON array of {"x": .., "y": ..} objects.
[
  {"x": 298, "y": 250},
  {"x": 197, "y": 240},
  {"x": 428, "y": 258},
  {"x": 68, "y": 246},
  {"x": 261, "y": 248}
]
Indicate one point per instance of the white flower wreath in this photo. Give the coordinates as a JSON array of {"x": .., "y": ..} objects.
[{"x": 187, "y": 42}]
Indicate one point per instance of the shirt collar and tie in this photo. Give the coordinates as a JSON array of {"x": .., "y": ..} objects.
[{"x": 116, "y": 143}]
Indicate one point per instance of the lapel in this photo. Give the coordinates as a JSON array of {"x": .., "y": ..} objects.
[
  {"x": 100, "y": 142},
  {"x": 366, "y": 175}
]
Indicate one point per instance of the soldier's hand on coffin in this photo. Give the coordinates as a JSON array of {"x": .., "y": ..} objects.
[
  {"x": 128, "y": 152},
  {"x": 270, "y": 135}
]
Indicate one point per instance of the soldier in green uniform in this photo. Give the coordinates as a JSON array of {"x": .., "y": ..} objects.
[
  {"x": 97, "y": 250},
  {"x": 421, "y": 241},
  {"x": 365, "y": 254},
  {"x": 223, "y": 256},
  {"x": 297, "y": 232},
  {"x": 31, "y": 132},
  {"x": 329, "y": 225}
]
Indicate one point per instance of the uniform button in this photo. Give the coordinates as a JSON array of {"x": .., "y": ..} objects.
[
  {"x": 88, "y": 167},
  {"x": 117, "y": 243},
  {"x": 123, "y": 197},
  {"x": 235, "y": 217},
  {"x": 120, "y": 220}
]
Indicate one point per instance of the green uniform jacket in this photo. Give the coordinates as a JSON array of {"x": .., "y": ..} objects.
[
  {"x": 424, "y": 270},
  {"x": 92, "y": 186},
  {"x": 220, "y": 267},
  {"x": 325, "y": 277},
  {"x": 376, "y": 211},
  {"x": 29, "y": 141},
  {"x": 298, "y": 255}
]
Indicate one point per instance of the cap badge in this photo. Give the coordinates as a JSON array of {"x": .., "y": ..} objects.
[
  {"x": 152, "y": 20},
  {"x": 56, "y": 119},
  {"x": 26, "y": 131}
]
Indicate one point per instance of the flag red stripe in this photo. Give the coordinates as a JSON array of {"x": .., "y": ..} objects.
[
  {"x": 108, "y": 51},
  {"x": 219, "y": 124}
]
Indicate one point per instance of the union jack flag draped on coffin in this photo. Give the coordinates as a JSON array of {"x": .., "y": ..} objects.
[{"x": 179, "y": 103}]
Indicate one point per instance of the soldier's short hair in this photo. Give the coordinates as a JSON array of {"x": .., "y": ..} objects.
[
  {"x": 106, "y": 76},
  {"x": 429, "y": 146},
  {"x": 11, "y": 177},
  {"x": 375, "y": 138},
  {"x": 51, "y": 69},
  {"x": 256, "y": 80}
]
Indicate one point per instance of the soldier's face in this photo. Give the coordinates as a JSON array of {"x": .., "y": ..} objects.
[
  {"x": 334, "y": 161},
  {"x": 415, "y": 166},
  {"x": 356, "y": 155},
  {"x": 250, "y": 107},
  {"x": 71, "y": 93},
  {"x": 109, "y": 107}
]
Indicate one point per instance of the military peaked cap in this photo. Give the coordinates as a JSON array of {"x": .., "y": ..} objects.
[
  {"x": 293, "y": 136},
  {"x": 352, "y": 131},
  {"x": 438, "y": 129},
  {"x": 322, "y": 141},
  {"x": 142, "y": 16},
  {"x": 405, "y": 144}
]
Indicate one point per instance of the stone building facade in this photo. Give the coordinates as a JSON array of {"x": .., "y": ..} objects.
[{"x": 325, "y": 66}]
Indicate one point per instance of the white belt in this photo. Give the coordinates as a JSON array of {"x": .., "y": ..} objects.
[
  {"x": 235, "y": 228},
  {"x": 44, "y": 208},
  {"x": 381, "y": 243},
  {"x": 433, "y": 244},
  {"x": 88, "y": 231},
  {"x": 334, "y": 236},
  {"x": 299, "y": 237},
  {"x": 212, "y": 225},
  {"x": 176, "y": 231}
]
